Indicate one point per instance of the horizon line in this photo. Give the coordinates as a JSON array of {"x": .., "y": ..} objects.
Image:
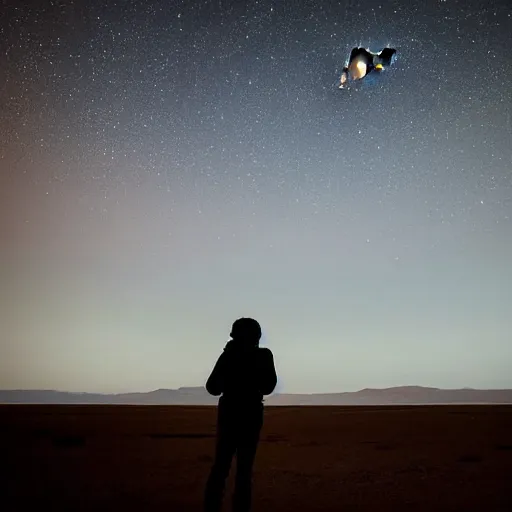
[{"x": 409, "y": 386}]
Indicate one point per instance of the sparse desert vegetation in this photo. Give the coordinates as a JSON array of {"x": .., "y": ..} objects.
[{"x": 156, "y": 458}]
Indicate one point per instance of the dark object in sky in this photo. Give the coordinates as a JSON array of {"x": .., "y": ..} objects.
[
  {"x": 244, "y": 373},
  {"x": 362, "y": 62}
]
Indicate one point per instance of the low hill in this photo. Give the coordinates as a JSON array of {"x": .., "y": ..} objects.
[{"x": 198, "y": 396}]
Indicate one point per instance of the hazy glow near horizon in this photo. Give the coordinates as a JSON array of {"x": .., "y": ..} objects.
[{"x": 167, "y": 168}]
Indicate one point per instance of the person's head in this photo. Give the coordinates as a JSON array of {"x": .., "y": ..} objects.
[
  {"x": 358, "y": 68},
  {"x": 246, "y": 330}
]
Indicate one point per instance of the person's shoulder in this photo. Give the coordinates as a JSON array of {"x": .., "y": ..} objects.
[{"x": 265, "y": 352}]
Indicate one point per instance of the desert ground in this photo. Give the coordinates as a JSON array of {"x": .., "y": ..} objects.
[{"x": 357, "y": 458}]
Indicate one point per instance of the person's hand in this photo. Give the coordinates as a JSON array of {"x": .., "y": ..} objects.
[
  {"x": 229, "y": 344},
  {"x": 343, "y": 79}
]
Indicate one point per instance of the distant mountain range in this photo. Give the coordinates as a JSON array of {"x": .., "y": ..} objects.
[{"x": 412, "y": 395}]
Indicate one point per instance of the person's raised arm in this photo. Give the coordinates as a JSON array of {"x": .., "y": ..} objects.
[
  {"x": 215, "y": 382},
  {"x": 268, "y": 375}
]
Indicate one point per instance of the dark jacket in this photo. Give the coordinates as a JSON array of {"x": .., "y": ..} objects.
[{"x": 243, "y": 373}]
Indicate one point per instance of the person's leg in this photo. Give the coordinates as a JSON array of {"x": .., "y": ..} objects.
[
  {"x": 248, "y": 437},
  {"x": 224, "y": 451}
]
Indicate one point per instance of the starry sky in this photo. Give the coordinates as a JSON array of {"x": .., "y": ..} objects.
[{"x": 169, "y": 166}]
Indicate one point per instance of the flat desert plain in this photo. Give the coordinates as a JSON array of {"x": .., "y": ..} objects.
[{"x": 157, "y": 458}]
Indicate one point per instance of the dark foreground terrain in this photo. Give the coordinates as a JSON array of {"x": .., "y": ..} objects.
[{"x": 156, "y": 458}]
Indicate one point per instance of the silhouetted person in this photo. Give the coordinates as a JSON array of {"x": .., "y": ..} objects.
[{"x": 243, "y": 374}]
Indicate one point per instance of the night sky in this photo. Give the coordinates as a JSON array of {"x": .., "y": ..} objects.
[{"x": 167, "y": 167}]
